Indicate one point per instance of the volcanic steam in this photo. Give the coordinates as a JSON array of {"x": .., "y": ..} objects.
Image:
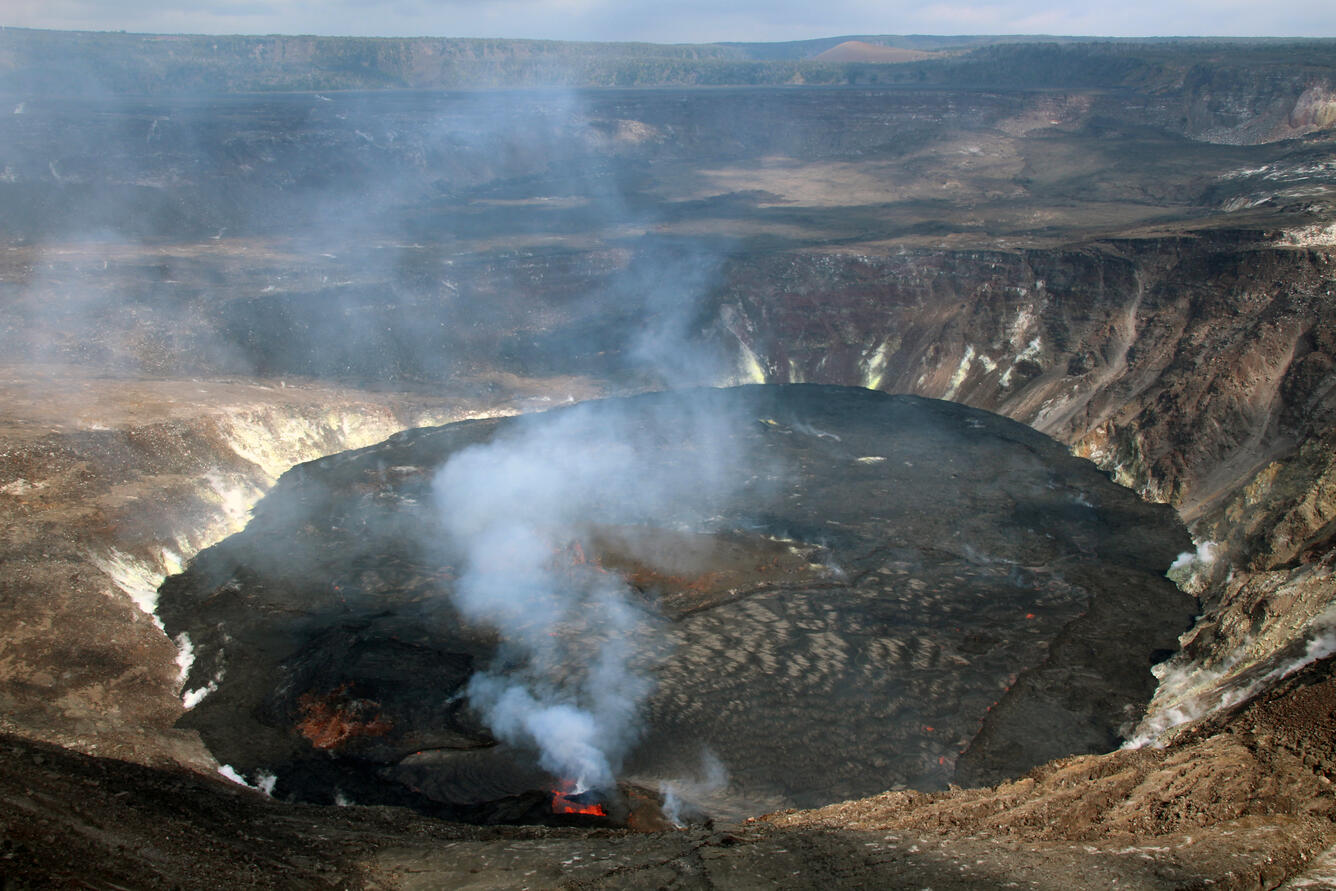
[{"x": 574, "y": 661}]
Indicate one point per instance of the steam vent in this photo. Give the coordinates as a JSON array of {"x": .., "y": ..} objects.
[{"x": 823, "y": 591}]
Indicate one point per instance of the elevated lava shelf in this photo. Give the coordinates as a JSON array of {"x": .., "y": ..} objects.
[{"x": 894, "y": 591}]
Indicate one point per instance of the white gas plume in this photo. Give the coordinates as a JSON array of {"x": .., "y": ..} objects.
[
  {"x": 682, "y": 797},
  {"x": 1208, "y": 691},
  {"x": 572, "y": 667}
]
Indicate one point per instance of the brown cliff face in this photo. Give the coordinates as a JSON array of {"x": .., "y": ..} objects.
[
  {"x": 1185, "y": 366},
  {"x": 1198, "y": 371}
]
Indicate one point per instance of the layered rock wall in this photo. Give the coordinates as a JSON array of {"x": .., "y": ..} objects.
[
  {"x": 1197, "y": 370},
  {"x": 93, "y": 516}
]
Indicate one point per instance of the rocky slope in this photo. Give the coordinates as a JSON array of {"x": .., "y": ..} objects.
[
  {"x": 1198, "y": 371},
  {"x": 1243, "y": 802},
  {"x": 110, "y": 485}
]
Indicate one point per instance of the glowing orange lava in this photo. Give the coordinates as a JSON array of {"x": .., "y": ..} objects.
[
  {"x": 332, "y": 719},
  {"x": 564, "y": 802}
]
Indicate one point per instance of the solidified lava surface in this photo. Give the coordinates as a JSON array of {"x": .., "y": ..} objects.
[{"x": 885, "y": 591}]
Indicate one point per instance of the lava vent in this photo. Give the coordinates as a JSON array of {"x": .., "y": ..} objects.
[{"x": 732, "y": 600}]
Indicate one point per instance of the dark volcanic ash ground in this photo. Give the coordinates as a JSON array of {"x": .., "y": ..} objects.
[{"x": 834, "y": 592}]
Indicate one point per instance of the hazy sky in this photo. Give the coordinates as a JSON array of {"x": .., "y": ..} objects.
[{"x": 670, "y": 21}]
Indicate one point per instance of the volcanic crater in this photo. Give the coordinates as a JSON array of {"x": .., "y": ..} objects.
[
  {"x": 1128, "y": 247},
  {"x": 887, "y": 590}
]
